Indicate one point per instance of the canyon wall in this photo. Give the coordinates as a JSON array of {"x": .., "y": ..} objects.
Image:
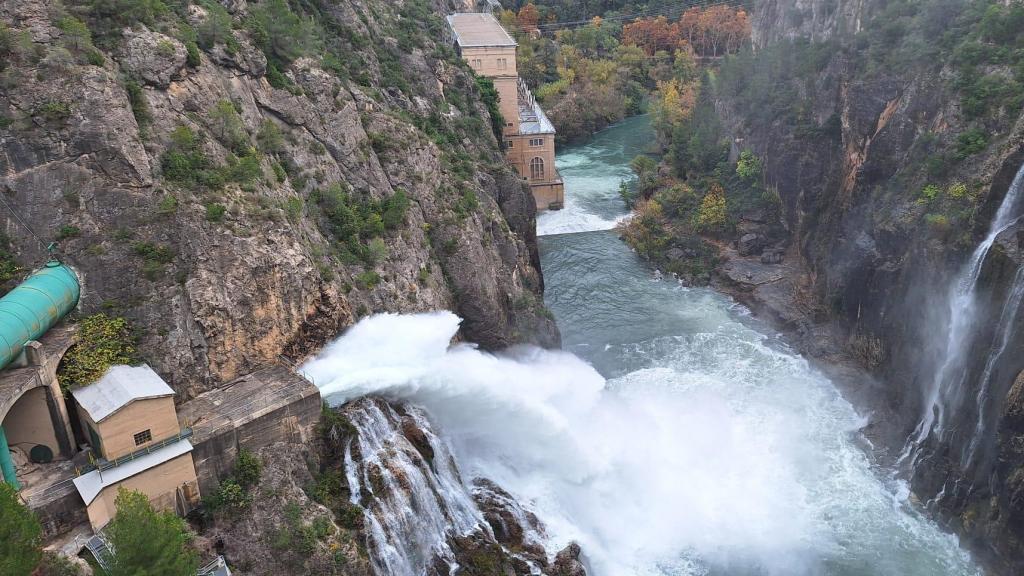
[
  {"x": 242, "y": 190},
  {"x": 890, "y": 156}
]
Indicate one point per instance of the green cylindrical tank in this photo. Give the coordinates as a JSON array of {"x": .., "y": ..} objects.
[{"x": 30, "y": 309}]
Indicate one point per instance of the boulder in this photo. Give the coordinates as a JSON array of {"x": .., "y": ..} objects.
[
  {"x": 772, "y": 256},
  {"x": 154, "y": 57},
  {"x": 567, "y": 562},
  {"x": 750, "y": 244}
]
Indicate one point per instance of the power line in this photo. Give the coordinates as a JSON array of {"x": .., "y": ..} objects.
[{"x": 22, "y": 222}]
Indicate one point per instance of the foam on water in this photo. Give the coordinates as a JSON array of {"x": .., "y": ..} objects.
[{"x": 723, "y": 456}]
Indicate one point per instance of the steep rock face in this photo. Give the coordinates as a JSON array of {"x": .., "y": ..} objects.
[
  {"x": 225, "y": 270},
  {"x": 281, "y": 530},
  {"x": 859, "y": 153}
]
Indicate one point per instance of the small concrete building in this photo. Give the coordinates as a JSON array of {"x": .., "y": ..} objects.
[
  {"x": 529, "y": 136},
  {"x": 130, "y": 420}
]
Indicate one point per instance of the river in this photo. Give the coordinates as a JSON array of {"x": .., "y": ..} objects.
[{"x": 675, "y": 435}]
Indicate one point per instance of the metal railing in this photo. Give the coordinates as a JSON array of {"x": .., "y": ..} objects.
[{"x": 104, "y": 465}]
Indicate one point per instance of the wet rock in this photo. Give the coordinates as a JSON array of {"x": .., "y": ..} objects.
[
  {"x": 513, "y": 526},
  {"x": 154, "y": 57},
  {"x": 750, "y": 244},
  {"x": 568, "y": 563},
  {"x": 418, "y": 438}
]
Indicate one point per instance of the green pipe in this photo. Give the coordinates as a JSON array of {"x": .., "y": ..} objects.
[
  {"x": 32, "y": 307},
  {"x": 6, "y": 464}
]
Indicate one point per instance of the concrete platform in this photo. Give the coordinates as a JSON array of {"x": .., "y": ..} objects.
[{"x": 272, "y": 404}]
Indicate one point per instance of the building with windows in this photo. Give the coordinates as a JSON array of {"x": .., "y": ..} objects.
[
  {"x": 529, "y": 137},
  {"x": 128, "y": 416}
]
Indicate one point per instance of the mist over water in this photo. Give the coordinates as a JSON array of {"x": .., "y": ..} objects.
[{"x": 673, "y": 436}]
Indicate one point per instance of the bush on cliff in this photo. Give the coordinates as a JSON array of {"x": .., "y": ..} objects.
[
  {"x": 20, "y": 534},
  {"x": 148, "y": 542}
]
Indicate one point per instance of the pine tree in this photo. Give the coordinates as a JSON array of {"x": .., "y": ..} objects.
[
  {"x": 20, "y": 535},
  {"x": 148, "y": 543}
]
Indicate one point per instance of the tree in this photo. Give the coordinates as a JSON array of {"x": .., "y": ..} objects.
[
  {"x": 20, "y": 535},
  {"x": 528, "y": 17},
  {"x": 148, "y": 543},
  {"x": 713, "y": 212}
]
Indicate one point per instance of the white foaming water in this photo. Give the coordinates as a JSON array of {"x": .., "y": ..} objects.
[
  {"x": 946, "y": 387},
  {"x": 592, "y": 174},
  {"x": 414, "y": 504},
  {"x": 722, "y": 456}
]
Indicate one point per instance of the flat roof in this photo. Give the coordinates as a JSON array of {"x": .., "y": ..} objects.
[
  {"x": 473, "y": 29},
  {"x": 90, "y": 485},
  {"x": 533, "y": 120},
  {"x": 243, "y": 400},
  {"x": 118, "y": 387}
]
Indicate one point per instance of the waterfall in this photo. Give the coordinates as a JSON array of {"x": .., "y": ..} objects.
[
  {"x": 413, "y": 504},
  {"x": 726, "y": 456},
  {"x": 1004, "y": 332},
  {"x": 947, "y": 386}
]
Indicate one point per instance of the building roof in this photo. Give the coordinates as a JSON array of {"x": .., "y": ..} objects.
[
  {"x": 90, "y": 485},
  {"x": 474, "y": 29},
  {"x": 120, "y": 386},
  {"x": 533, "y": 120}
]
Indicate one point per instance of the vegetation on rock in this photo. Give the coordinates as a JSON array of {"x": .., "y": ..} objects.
[{"x": 103, "y": 341}]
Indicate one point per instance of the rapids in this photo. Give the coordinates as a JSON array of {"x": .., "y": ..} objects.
[{"x": 675, "y": 435}]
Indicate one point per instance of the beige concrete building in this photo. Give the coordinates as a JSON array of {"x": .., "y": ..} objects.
[
  {"x": 129, "y": 418},
  {"x": 529, "y": 135}
]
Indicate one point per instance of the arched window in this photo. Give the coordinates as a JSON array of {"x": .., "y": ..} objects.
[{"x": 537, "y": 168}]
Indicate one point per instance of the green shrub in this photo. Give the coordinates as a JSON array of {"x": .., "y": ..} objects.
[
  {"x": 228, "y": 126},
  {"x": 9, "y": 269},
  {"x": 103, "y": 341},
  {"x": 143, "y": 539},
  {"x": 215, "y": 212},
  {"x": 928, "y": 194},
  {"x": 748, "y": 167},
  {"x": 293, "y": 208},
  {"x": 490, "y": 97},
  {"x": 20, "y": 534},
  {"x": 168, "y": 205},
  {"x": 270, "y": 139},
  {"x": 970, "y": 143},
  {"x": 367, "y": 279},
  {"x": 192, "y": 57},
  {"x": 67, "y": 231},
  {"x": 140, "y": 107},
  {"x": 248, "y": 469},
  {"x": 53, "y": 111}
]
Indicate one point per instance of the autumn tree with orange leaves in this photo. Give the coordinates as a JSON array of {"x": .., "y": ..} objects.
[{"x": 712, "y": 31}]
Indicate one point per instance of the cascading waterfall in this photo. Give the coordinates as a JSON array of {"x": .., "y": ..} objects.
[
  {"x": 946, "y": 389},
  {"x": 415, "y": 504},
  {"x": 1004, "y": 332},
  {"x": 725, "y": 457},
  {"x": 677, "y": 441}
]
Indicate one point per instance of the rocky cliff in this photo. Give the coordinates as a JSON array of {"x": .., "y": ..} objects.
[
  {"x": 892, "y": 132},
  {"x": 243, "y": 180}
]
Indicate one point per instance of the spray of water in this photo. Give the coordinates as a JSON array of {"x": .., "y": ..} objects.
[
  {"x": 724, "y": 457},
  {"x": 946, "y": 387}
]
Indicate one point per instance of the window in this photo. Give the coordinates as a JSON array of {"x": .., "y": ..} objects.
[
  {"x": 502, "y": 63},
  {"x": 476, "y": 63},
  {"x": 143, "y": 437},
  {"x": 536, "y": 168},
  {"x": 536, "y": 142},
  {"x": 509, "y": 124},
  {"x": 508, "y": 143}
]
